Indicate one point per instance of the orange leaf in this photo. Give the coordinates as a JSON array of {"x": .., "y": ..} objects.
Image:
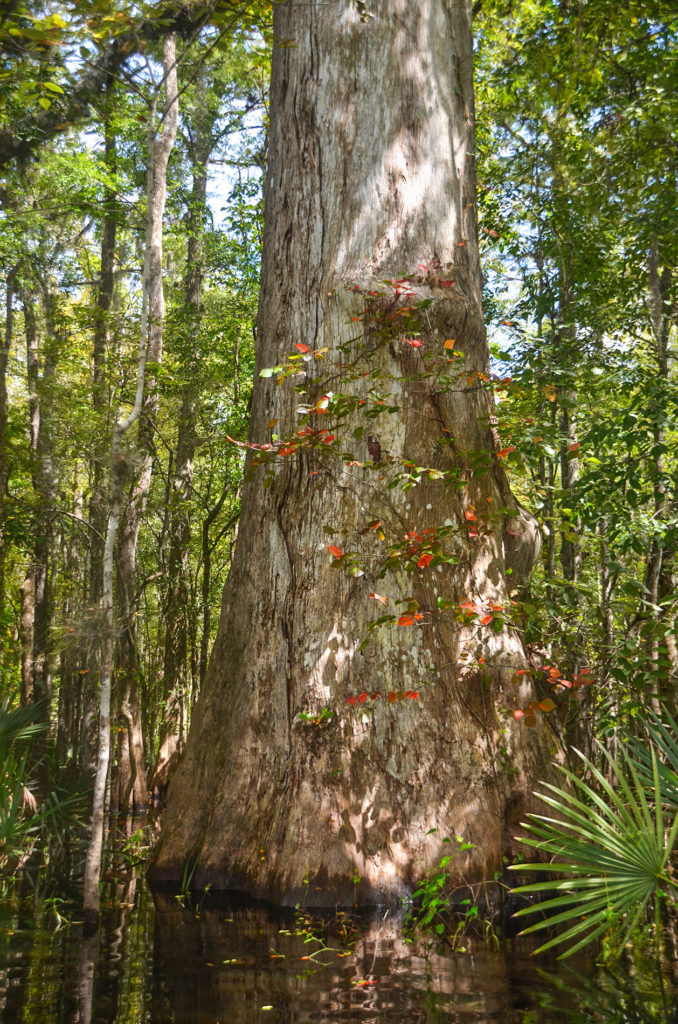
[
  {"x": 337, "y": 552},
  {"x": 391, "y": 697},
  {"x": 547, "y": 704},
  {"x": 486, "y": 620},
  {"x": 323, "y": 404},
  {"x": 574, "y": 447},
  {"x": 506, "y": 451},
  {"x": 405, "y": 620},
  {"x": 471, "y": 516},
  {"x": 449, "y": 343},
  {"x": 424, "y": 561},
  {"x": 300, "y": 347},
  {"x": 378, "y": 597}
]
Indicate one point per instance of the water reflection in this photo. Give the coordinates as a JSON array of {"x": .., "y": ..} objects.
[{"x": 158, "y": 961}]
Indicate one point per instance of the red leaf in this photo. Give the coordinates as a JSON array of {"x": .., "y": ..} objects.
[
  {"x": 289, "y": 450},
  {"x": 391, "y": 696},
  {"x": 300, "y": 347},
  {"x": 379, "y": 598},
  {"x": 328, "y": 439},
  {"x": 506, "y": 451},
  {"x": 323, "y": 404},
  {"x": 405, "y": 620},
  {"x": 337, "y": 552},
  {"x": 424, "y": 561},
  {"x": 375, "y": 695},
  {"x": 486, "y": 620},
  {"x": 517, "y": 714},
  {"x": 352, "y": 701},
  {"x": 414, "y": 342},
  {"x": 362, "y": 697},
  {"x": 418, "y": 617},
  {"x": 412, "y": 694},
  {"x": 471, "y": 516}
]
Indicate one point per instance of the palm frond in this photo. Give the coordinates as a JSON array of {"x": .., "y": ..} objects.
[
  {"x": 611, "y": 846},
  {"x": 662, "y": 734}
]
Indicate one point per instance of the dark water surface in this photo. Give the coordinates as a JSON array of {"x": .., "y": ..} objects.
[{"x": 160, "y": 959}]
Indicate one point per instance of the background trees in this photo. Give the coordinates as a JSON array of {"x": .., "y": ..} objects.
[{"x": 75, "y": 216}]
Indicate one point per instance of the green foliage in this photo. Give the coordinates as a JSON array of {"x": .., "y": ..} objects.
[
  {"x": 612, "y": 843},
  {"x": 449, "y": 912}
]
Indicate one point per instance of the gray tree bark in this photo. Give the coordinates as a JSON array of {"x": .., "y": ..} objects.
[
  {"x": 132, "y": 785},
  {"x": 157, "y": 166},
  {"x": 176, "y": 674},
  {"x": 371, "y": 177}
]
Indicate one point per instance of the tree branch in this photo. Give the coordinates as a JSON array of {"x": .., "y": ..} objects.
[{"x": 19, "y": 142}]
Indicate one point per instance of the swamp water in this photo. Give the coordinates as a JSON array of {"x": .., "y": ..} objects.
[{"x": 162, "y": 959}]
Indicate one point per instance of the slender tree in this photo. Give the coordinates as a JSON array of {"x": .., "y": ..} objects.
[
  {"x": 132, "y": 783},
  {"x": 160, "y": 146}
]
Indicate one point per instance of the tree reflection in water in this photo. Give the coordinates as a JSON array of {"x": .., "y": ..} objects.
[{"x": 159, "y": 960}]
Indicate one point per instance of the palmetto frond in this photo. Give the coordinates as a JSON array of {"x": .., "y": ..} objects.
[{"x": 611, "y": 846}]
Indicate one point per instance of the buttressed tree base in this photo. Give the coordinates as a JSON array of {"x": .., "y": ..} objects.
[{"x": 320, "y": 767}]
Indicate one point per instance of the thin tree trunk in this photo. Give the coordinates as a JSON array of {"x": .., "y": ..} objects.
[
  {"x": 10, "y": 286},
  {"x": 119, "y": 472},
  {"x": 658, "y": 569},
  {"x": 370, "y": 189},
  {"x": 99, "y": 488},
  {"x": 160, "y": 148},
  {"x": 36, "y": 589},
  {"x": 176, "y": 674}
]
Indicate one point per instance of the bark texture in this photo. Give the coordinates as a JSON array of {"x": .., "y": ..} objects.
[
  {"x": 132, "y": 784},
  {"x": 370, "y": 177}
]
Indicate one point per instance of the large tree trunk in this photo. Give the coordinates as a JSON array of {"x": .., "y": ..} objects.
[{"x": 371, "y": 177}]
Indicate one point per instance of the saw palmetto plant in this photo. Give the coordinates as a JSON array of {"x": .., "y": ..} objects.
[{"x": 611, "y": 847}]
